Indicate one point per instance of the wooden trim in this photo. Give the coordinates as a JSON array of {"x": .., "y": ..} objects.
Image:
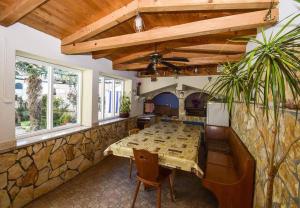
[
  {"x": 17, "y": 10},
  {"x": 214, "y": 48},
  {"x": 218, "y": 59},
  {"x": 128, "y": 11},
  {"x": 199, "y": 28}
]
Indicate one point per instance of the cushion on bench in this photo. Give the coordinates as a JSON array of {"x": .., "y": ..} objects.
[
  {"x": 218, "y": 158},
  {"x": 221, "y": 174},
  {"x": 218, "y": 145}
]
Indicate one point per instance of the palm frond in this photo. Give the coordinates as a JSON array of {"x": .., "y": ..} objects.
[{"x": 265, "y": 73}]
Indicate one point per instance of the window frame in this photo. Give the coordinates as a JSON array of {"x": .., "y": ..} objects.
[
  {"x": 50, "y": 68},
  {"x": 115, "y": 115}
]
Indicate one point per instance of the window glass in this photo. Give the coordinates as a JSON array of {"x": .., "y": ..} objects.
[
  {"x": 118, "y": 95},
  {"x": 100, "y": 99},
  {"x": 46, "y": 96},
  {"x": 65, "y": 97},
  {"x": 108, "y": 98},
  {"x": 110, "y": 95},
  {"x": 31, "y": 90}
]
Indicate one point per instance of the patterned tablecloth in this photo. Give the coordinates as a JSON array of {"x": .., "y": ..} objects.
[{"x": 176, "y": 145}]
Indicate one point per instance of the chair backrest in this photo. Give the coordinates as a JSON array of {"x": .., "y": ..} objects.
[
  {"x": 133, "y": 131},
  {"x": 176, "y": 121},
  {"x": 146, "y": 164},
  {"x": 157, "y": 119}
]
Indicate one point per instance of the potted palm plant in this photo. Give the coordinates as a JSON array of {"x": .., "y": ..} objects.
[
  {"x": 262, "y": 81},
  {"x": 125, "y": 107}
]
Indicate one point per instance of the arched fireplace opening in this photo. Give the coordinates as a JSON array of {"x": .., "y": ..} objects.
[
  {"x": 166, "y": 104},
  {"x": 195, "y": 104}
]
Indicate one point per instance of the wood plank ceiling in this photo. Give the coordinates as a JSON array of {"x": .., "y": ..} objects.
[{"x": 197, "y": 29}]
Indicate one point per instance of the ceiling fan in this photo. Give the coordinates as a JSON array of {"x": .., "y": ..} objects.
[{"x": 157, "y": 58}]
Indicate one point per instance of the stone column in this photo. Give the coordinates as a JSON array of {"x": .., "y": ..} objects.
[{"x": 181, "y": 109}]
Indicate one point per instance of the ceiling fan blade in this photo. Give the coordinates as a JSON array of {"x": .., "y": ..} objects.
[
  {"x": 150, "y": 67},
  {"x": 179, "y": 59},
  {"x": 172, "y": 66}
]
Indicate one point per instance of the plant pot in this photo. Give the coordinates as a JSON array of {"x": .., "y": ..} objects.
[{"x": 124, "y": 115}]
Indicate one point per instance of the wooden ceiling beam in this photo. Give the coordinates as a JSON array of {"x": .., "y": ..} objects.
[
  {"x": 202, "y": 5},
  {"x": 218, "y": 59},
  {"x": 17, "y": 10},
  {"x": 103, "y": 24},
  {"x": 194, "y": 29},
  {"x": 166, "y": 54},
  {"x": 125, "y": 13},
  {"x": 188, "y": 54},
  {"x": 133, "y": 56},
  {"x": 214, "y": 48},
  {"x": 188, "y": 51},
  {"x": 98, "y": 55},
  {"x": 203, "y": 71}
]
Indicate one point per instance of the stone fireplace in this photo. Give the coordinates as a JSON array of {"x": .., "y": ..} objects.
[{"x": 191, "y": 102}]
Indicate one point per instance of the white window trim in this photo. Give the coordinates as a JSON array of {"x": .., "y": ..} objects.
[
  {"x": 103, "y": 77},
  {"x": 50, "y": 127}
]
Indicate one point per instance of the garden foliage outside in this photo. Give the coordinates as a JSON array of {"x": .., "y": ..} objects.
[{"x": 31, "y": 105}]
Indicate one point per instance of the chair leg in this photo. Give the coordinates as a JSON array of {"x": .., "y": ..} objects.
[
  {"x": 158, "y": 205},
  {"x": 171, "y": 189},
  {"x": 136, "y": 193},
  {"x": 130, "y": 169}
]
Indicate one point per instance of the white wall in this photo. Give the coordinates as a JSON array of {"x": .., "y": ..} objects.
[{"x": 23, "y": 38}]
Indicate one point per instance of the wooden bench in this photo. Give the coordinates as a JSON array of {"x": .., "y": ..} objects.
[{"x": 230, "y": 168}]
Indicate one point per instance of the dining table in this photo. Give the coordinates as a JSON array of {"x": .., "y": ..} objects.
[{"x": 177, "y": 145}]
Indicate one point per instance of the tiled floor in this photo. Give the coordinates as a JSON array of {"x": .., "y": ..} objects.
[{"x": 107, "y": 185}]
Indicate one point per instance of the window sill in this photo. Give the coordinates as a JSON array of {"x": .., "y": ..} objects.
[
  {"x": 112, "y": 120},
  {"x": 47, "y": 136}
]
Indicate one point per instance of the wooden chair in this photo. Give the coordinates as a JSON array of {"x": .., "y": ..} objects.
[
  {"x": 176, "y": 121},
  {"x": 151, "y": 174},
  {"x": 157, "y": 119},
  {"x": 131, "y": 132}
]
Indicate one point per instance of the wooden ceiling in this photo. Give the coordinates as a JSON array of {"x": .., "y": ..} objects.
[{"x": 197, "y": 29}]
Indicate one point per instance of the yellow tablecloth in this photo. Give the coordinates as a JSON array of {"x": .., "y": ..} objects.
[{"x": 176, "y": 145}]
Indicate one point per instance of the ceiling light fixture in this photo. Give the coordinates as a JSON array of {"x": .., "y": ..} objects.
[
  {"x": 138, "y": 22},
  {"x": 196, "y": 70}
]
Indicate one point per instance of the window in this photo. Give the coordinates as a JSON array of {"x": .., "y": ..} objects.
[
  {"x": 47, "y": 97},
  {"x": 110, "y": 94}
]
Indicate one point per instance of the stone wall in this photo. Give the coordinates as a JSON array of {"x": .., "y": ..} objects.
[
  {"x": 287, "y": 183},
  {"x": 29, "y": 172}
]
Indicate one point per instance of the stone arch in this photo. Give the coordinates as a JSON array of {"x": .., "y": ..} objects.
[{"x": 195, "y": 104}]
